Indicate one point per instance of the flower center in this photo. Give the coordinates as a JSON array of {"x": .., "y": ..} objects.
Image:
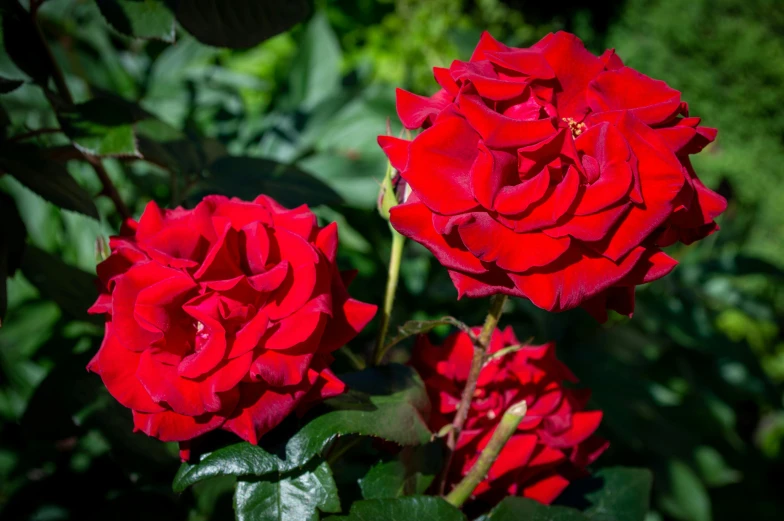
[
  {"x": 201, "y": 338},
  {"x": 576, "y": 128}
]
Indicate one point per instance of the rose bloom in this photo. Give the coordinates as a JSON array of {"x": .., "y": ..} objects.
[
  {"x": 552, "y": 174},
  {"x": 222, "y": 317},
  {"x": 554, "y": 442}
]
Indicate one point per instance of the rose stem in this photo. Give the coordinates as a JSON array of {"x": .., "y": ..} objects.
[
  {"x": 480, "y": 352},
  {"x": 62, "y": 88},
  {"x": 395, "y": 256},
  {"x": 507, "y": 426}
]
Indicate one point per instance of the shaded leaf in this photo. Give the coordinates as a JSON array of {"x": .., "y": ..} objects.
[
  {"x": 49, "y": 179},
  {"x": 410, "y": 473},
  {"x": 686, "y": 497},
  {"x": 294, "y": 498},
  {"x": 713, "y": 468},
  {"x": 101, "y": 127},
  {"x": 12, "y": 246},
  {"x": 414, "y": 508},
  {"x": 524, "y": 509},
  {"x": 51, "y": 413},
  {"x": 70, "y": 288},
  {"x": 244, "y": 176},
  {"x": 22, "y": 43},
  {"x": 147, "y": 19},
  {"x": 393, "y": 412},
  {"x": 238, "y": 24},
  {"x": 624, "y": 495},
  {"x": 7, "y": 85}
]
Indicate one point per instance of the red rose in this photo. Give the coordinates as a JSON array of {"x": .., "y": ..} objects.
[
  {"x": 552, "y": 174},
  {"x": 554, "y": 442},
  {"x": 222, "y": 317}
]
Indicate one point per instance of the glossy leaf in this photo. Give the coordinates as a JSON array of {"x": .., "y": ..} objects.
[
  {"x": 624, "y": 495},
  {"x": 49, "y": 179},
  {"x": 394, "y": 413},
  {"x": 147, "y": 19},
  {"x": 524, "y": 509},
  {"x": 414, "y": 508},
  {"x": 410, "y": 473},
  {"x": 238, "y": 24},
  {"x": 101, "y": 127},
  {"x": 70, "y": 288},
  {"x": 291, "y": 498},
  {"x": 290, "y": 186}
]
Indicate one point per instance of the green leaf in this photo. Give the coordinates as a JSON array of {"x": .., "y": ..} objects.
[
  {"x": 49, "y": 179},
  {"x": 248, "y": 176},
  {"x": 70, "y": 288},
  {"x": 624, "y": 495},
  {"x": 21, "y": 41},
  {"x": 686, "y": 497},
  {"x": 146, "y": 19},
  {"x": 7, "y": 85},
  {"x": 418, "y": 327},
  {"x": 413, "y": 508},
  {"x": 315, "y": 72},
  {"x": 101, "y": 127},
  {"x": 12, "y": 245},
  {"x": 385, "y": 402},
  {"x": 238, "y": 24},
  {"x": 714, "y": 469},
  {"x": 411, "y": 473},
  {"x": 293, "y": 498},
  {"x": 240, "y": 459},
  {"x": 524, "y": 509}
]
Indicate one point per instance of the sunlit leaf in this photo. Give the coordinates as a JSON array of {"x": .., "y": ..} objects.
[{"x": 295, "y": 498}]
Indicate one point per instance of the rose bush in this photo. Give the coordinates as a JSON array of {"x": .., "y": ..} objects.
[
  {"x": 222, "y": 317},
  {"x": 553, "y": 444},
  {"x": 552, "y": 174}
]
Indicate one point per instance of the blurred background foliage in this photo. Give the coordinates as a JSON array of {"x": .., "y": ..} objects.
[{"x": 691, "y": 387}]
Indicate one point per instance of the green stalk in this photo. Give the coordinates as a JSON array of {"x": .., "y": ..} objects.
[
  {"x": 395, "y": 257},
  {"x": 505, "y": 429}
]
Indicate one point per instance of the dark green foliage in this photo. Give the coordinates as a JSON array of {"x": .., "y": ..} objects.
[{"x": 690, "y": 388}]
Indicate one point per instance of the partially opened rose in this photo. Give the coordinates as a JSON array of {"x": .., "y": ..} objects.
[
  {"x": 552, "y": 174},
  {"x": 222, "y": 317},
  {"x": 553, "y": 444}
]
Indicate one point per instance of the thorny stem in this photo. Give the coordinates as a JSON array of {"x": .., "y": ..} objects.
[
  {"x": 480, "y": 352},
  {"x": 505, "y": 429},
  {"x": 395, "y": 257}
]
